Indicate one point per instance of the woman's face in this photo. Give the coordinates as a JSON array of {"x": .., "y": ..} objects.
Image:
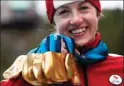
[{"x": 77, "y": 20}]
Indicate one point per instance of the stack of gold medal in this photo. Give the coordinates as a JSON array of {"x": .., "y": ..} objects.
[{"x": 44, "y": 69}]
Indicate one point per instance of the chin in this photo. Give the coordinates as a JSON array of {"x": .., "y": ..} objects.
[{"x": 82, "y": 42}]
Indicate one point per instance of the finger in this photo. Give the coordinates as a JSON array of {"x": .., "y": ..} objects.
[
  {"x": 63, "y": 44},
  {"x": 63, "y": 48},
  {"x": 64, "y": 51},
  {"x": 77, "y": 51},
  {"x": 69, "y": 44}
]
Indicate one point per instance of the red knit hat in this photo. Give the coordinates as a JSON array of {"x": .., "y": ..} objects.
[{"x": 51, "y": 5}]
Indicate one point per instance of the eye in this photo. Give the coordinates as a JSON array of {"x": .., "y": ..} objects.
[
  {"x": 63, "y": 12},
  {"x": 83, "y": 8}
]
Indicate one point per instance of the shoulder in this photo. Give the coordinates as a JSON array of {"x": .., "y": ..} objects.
[
  {"x": 114, "y": 55},
  {"x": 112, "y": 60},
  {"x": 115, "y": 58}
]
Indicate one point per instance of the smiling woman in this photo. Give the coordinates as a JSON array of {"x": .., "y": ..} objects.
[
  {"x": 78, "y": 21},
  {"x": 73, "y": 55}
]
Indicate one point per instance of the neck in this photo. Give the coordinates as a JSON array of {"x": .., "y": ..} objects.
[{"x": 94, "y": 42}]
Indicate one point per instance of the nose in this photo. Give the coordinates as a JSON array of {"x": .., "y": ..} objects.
[{"x": 76, "y": 19}]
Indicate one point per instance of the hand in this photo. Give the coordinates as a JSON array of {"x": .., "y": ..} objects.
[
  {"x": 54, "y": 59},
  {"x": 55, "y": 43}
]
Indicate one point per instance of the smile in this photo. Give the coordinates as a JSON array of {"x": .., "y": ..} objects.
[{"x": 77, "y": 31}]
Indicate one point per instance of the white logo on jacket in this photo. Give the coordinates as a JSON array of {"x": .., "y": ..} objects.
[{"x": 115, "y": 79}]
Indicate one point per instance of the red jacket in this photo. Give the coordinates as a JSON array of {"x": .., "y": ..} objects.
[{"x": 96, "y": 75}]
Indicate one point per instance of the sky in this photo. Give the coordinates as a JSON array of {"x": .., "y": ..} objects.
[{"x": 105, "y": 4}]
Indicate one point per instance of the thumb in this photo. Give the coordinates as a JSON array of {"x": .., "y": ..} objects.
[{"x": 63, "y": 48}]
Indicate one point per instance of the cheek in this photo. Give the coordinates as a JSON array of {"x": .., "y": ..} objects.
[
  {"x": 61, "y": 26},
  {"x": 93, "y": 26},
  {"x": 93, "y": 22}
]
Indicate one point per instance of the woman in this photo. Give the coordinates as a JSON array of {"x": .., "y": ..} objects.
[{"x": 76, "y": 24}]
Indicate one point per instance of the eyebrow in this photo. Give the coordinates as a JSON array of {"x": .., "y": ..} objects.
[
  {"x": 80, "y": 3},
  {"x": 63, "y": 7}
]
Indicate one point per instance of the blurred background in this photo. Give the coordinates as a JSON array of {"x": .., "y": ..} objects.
[{"x": 24, "y": 24}]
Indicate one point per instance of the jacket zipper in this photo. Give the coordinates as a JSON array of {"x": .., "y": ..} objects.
[{"x": 84, "y": 68}]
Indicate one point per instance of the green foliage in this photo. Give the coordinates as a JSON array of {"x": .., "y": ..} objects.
[{"x": 111, "y": 28}]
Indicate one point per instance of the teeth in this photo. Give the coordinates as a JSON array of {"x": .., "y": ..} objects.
[{"x": 78, "y": 31}]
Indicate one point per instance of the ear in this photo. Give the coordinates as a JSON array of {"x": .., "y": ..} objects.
[
  {"x": 54, "y": 26},
  {"x": 99, "y": 16}
]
